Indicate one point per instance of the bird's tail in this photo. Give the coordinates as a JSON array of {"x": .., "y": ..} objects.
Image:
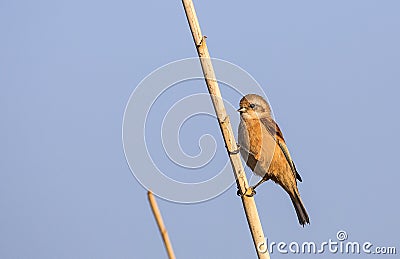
[{"x": 300, "y": 209}]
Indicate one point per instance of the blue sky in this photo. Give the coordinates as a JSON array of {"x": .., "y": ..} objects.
[{"x": 330, "y": 70}]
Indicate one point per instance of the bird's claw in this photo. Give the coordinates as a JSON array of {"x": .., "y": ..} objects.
[
  {"x": 236, "y": 151},
  {"x": 250, "y": 192}
]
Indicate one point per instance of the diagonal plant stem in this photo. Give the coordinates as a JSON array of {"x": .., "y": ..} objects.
[
  {"x": 161, "y": 226},
  {"x": 224, "y": 122}
]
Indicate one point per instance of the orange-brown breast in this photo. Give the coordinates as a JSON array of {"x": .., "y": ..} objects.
[{"x": 253, "y": 134}]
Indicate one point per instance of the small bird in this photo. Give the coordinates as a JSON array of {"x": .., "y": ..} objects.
[{"x": 263, "y": 147}]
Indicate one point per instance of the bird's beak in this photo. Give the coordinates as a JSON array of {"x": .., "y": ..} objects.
[{"x": 242, "y": 109}]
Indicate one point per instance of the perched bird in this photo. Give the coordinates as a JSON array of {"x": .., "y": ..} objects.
[{"x": 263, "y": 147}]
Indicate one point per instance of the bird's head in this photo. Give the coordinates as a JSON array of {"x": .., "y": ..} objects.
[{"x": 253, "y": 106}]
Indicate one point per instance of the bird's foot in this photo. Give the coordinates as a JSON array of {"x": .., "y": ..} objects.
[
  {"x": 250, "y": 192},
  {"x": 236, "y": 151}
]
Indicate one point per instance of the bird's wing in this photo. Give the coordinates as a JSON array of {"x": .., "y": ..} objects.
[{"x": 274, "y": 130}]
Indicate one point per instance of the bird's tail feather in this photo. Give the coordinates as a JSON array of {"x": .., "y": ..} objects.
[{"x": 300, "y": 209}]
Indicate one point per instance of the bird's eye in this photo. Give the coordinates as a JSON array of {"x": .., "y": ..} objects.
[{"x": 252, "y": 105}]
